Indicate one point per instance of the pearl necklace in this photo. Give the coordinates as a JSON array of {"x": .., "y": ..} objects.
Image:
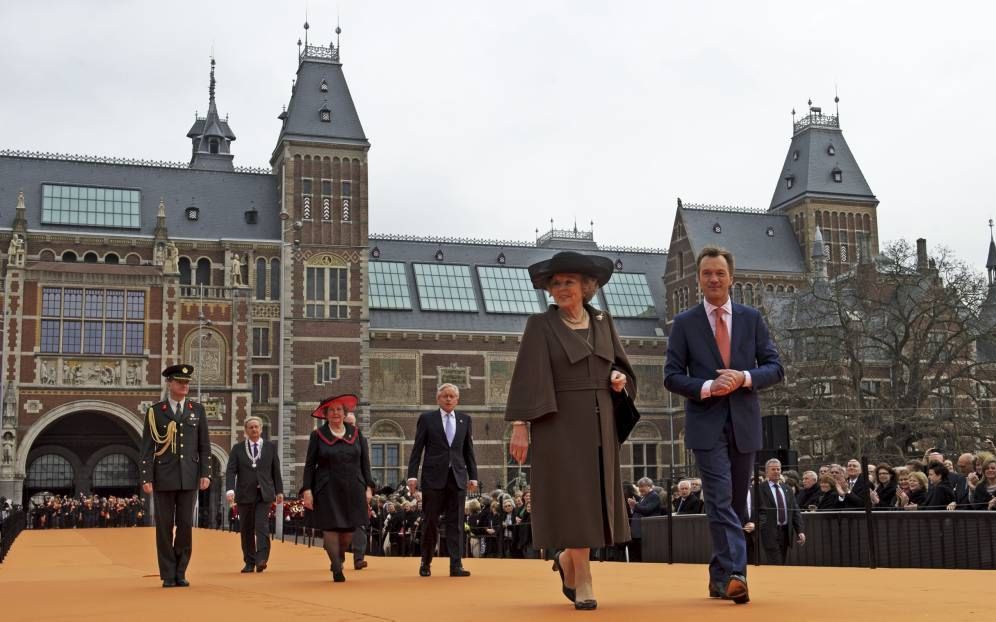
[{"x": 573, "y": 322}]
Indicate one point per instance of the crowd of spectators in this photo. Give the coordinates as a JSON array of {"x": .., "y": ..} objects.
[{"x": 87, "y": 511}]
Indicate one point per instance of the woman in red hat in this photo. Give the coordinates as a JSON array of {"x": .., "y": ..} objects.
[{"x": 337, "y": 482}]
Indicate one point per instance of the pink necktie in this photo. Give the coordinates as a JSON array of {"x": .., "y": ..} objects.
[{"x": 722, "y": 336}]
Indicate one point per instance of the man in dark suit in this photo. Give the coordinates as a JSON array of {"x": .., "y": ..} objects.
[
  {"x": 649, "y": 504},
  {"x": 176, "y": 456},
  {"x": 449, "y": 469},
  {"x": 719, "y": 357},
  {"x": 686, "y": 503},
  {"x": 777, "y": 516},
  {"x": 253, "y": 480},
  {"x": 857, "y": 485}
]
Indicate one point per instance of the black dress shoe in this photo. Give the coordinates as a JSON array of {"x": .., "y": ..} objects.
[
  {"x": 182, "y": 582},
  {"x": 715, "y": 591},
  {"x": 360, "y": 565},
  {"x": 586, "y": 605},
  {"x": 736, "y": 589},
  {"x": 169, "y": 583},
  {"x": 570, "y": 593},
  {"x": 248, "y": 568},
  {"x": 459, "y": 571},
  {"x": 423, "y": 570},
  {"x": 260, "y": 567},
  {"x": 338, "y": 577}
]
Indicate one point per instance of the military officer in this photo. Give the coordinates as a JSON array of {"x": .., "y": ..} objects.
[{"x": 175, "y": 463}]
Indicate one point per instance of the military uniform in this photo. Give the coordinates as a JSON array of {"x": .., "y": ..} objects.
[{"x": 175, "y": 456}]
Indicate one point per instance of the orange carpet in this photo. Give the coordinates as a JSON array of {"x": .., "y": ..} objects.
[{"x": 111, "y": 574}]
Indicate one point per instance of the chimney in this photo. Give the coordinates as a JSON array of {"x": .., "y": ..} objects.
[{"x": 921, "y": 255}]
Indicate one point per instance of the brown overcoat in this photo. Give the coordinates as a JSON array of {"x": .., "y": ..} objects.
[{"x": 562, "y": 388}]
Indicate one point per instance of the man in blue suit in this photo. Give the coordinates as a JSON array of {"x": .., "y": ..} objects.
[{"x": 719, "y": 356}]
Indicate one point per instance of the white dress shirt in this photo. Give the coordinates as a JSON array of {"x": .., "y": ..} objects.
[{"x": 710, "y": 310}]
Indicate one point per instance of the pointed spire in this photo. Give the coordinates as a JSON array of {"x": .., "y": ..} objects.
[
  {"x": 819, "y": 258},
  {"x": 161, "y": 233},
  {"x": 991, "y": 260},
  {"x": 211, "y": 88},
  {"x": 819, "y": 248}
]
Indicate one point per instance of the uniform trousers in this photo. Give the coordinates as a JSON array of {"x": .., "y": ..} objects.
[{"x": 174, "y": 508}]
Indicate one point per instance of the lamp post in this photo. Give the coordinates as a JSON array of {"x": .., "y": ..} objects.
[
  {"x": 285, "y": 292},
  {"x": 201, "y": 323}
]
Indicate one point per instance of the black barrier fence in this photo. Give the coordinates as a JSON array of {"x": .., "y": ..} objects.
[
  {"x": 961, "y": 539},
  {"x": 10, "y": 527}
]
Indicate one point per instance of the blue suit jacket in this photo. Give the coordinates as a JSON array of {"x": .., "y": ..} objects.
[{"x": 693, "y": 357}]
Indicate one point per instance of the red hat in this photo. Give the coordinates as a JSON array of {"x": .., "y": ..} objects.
[{"x": 348, "y": 401}]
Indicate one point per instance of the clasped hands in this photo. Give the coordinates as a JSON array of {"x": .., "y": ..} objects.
[{"x": 729, "y": 380}]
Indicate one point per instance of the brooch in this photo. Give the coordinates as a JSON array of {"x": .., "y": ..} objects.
[{"x": 599, "y": 317}]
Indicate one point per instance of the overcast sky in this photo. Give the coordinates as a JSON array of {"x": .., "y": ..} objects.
[{"x": 489, "y": 119}]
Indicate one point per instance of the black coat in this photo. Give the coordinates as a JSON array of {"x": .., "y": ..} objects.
[
  {"x": 807, "y": 496},
  {"x": 886, "y": 496},
  {"x": 938, "y": 496},
  {"x": 241, "y": 477},
  {"x": 766, "y": 515},
  {"x": 855, "y": 500},
  {"x": 690, "y": 505},
  {"x": 337, "y": 472},
  {"x": 430, "y": 440},
  {"x": 827, "y": 501},
  {"x": 649, "y": 505},
  {"x": 981, "y": 496},
  {"x": 182, "y": 465}
]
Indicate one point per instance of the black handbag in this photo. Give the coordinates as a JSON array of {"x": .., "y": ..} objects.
[{"x": 625, "y": 412}]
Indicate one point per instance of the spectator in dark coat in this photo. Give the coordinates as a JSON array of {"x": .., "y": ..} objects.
[
  {"x": 884, "y": 495},
  {"x": 940, "y": 495},
  {"x": 648, "y": 504},
  {"x": 809, "y": 489},
  {"x": 687, "y": 503}
]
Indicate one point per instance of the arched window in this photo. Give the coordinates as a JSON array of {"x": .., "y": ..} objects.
[
  {"x": 69, "y": 257},
  {"x": 385, "y": 453},
  {"x": 260, "y": 279},
  {"x": 111, "y": 258},
  {"x": 738, "y": 293},
  {"x": 185, "y": 271},
  {"x": 115, "y": 470},
  {"x": 49, "y": 471},
  {"x": 749, "y": 294},
  {"x": 203, "y": 271},
  {"x": 274, "y": 279},
  {"x": 90, "y": 257}
]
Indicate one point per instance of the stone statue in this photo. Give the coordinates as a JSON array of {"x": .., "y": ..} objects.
[
  {"x": 171, "y": 264},
  {"x": 8, "y": 451},
  {"x": 15, "y": 252},
  {"x": 236, "y": 271}
]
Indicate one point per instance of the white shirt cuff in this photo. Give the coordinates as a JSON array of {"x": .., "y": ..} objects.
[
  {"x": 747, "y": 381},
  {"x": 706, "y": 389}
]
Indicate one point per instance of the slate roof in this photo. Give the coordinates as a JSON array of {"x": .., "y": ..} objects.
[
  {"x": 222, "y": 197},
  {"x": 746, "y": 235},
  {"x": 520, "y": 255},
  {"x": 301, "y": 120},
  {"x": 812, "y": 169}
]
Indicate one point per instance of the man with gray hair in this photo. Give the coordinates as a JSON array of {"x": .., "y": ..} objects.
[
  {"x": 777, "y": 515},
  {"x": 687, "y": 503},
  {"x": 807, "y": 493},
  {"x": 253, "y": 480},
  {"x": 648, "y": 505},
  {"x": 449, "y": 470}
]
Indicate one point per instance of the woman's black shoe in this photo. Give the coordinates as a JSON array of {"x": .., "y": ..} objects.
[
  {"x": 585, "y": 605},
  {"x": 571, "y": 594},
  {"x": 338, "y": 577}
]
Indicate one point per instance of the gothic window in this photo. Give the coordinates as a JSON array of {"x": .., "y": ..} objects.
[
  {"x": 185, "y": 271},
  {"x": 49, "y": 471},
  {"x": 115, "y": 470},
  {"x": 327, "y": 292},
  {"x": 261, "y": 341},
  {"x": 275, "y": 279},
  {"x": 92, "y": 321},
  {"x": 203, "y": 271},
  {"x": 260, "y": 388},
  {"x": 260, "y": 279}
]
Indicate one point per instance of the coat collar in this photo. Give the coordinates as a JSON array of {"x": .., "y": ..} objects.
[
  {"x": 575, "y": 348},
  {"x": 325, "y": 434}
]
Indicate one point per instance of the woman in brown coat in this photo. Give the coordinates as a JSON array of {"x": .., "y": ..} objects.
[{"x": 569, "y": 361}]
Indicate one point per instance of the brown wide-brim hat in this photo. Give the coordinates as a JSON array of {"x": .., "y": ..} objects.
[
  {"x": 348, "y": 401},
  {"x": 568, "y": 262}
]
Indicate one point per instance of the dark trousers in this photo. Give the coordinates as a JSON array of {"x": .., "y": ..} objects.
[
  {"x": 448, "y": 501},
  {"x": 776, "y": 552},
  {"x": 725, "y": 475},
  {"x": 359, "y": 544},
  {"x": 174, "y": 508},
  {"x": 254, "y": 527}
]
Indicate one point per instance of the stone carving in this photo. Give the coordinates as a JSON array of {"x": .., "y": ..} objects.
[
  {"x": 455, "y": 375},
  {"x": 236, "y": 271},
  {"x": 133, "y": 374},
  {"x": 47, "y": 373},
  {"x": 394, "y": 380},
  {"x": 171, "y": 263},
  {"x": 72, "y": 373},
  {"x": 8, "y": 448},
  {"x": 33, "y": 407},
  {"x": 15, "y": 252},
  {"x": 499, "y": 379}
]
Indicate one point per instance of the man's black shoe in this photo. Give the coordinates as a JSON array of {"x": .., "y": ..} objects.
[
  {"x": 423, "y": 570},
  {"x": 182, "y": 582},
  {"x": 716, "y": 591},
  {"x": 736, "y": 589},
  {"x": 248, "y": 568},
  {"x": 169, "y": 583},
  {"x": 360, "y": 565},
  {"x": 459, "y": 571},
  {"x": 260, "y": 567}
]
